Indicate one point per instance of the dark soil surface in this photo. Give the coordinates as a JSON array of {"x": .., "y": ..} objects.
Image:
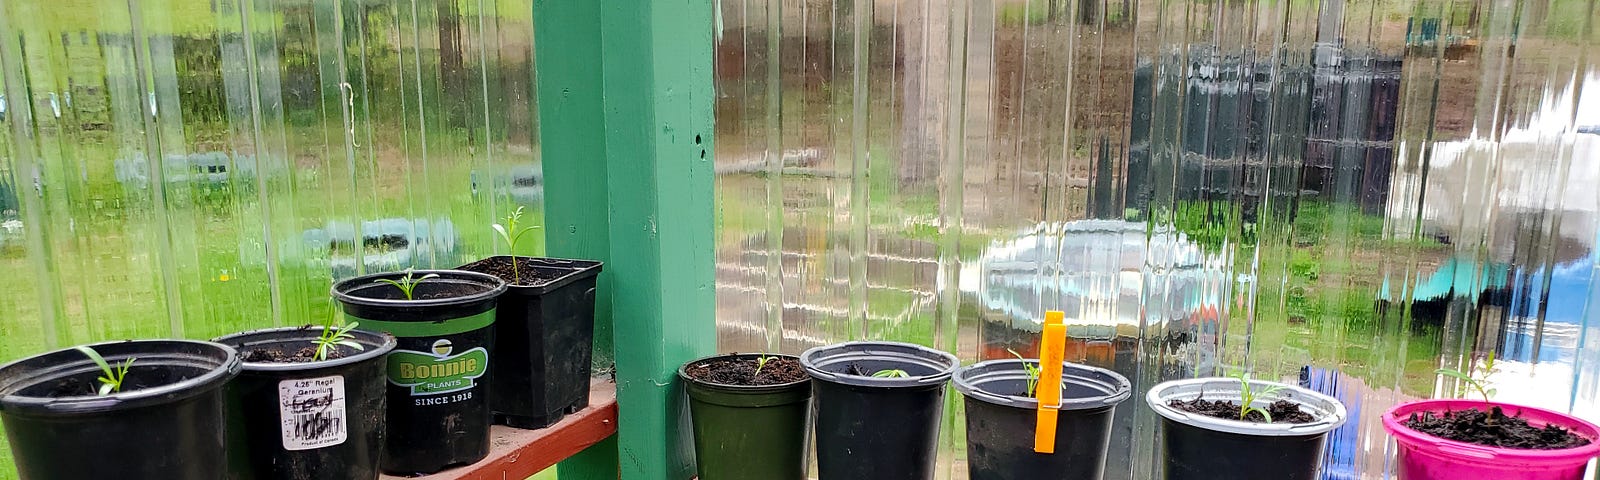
[
  {"x": 429, "y": 291},
  {"x": 307, "y": 354},
  {"x": 532, "y": 273},
  {"x": 425, "y": 290},
  {"x": 742, "y": 371},
  {"x": 77, "y": 388},
  {"x": 1282, "y": 411},
  {"x": 139, "y": 377},
  {"x": 1493, "y": 429}
]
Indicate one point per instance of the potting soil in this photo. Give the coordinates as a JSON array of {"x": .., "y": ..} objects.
[
  {"x": 1282, "y": 411},
  {"x": 1494, "y": 429},
  {"x": 527, "y": 272},
  {"x": 742, "y": 371}
]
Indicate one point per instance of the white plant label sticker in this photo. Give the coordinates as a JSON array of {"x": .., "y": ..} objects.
[{"x": 313, "y": 412}]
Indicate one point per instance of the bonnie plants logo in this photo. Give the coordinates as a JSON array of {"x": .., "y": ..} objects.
[{"x": 437, "y": 371}]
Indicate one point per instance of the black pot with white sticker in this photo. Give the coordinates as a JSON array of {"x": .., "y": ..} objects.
[{"x": 310, "y": 403}]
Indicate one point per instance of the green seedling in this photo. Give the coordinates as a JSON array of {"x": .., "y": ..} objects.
[
  {"x": 1248, "y": 396},
  {"x": 761, "y": 362},
  {"x": 110, "y": 378},
  {"x": 895, "y": 373},
  {"x": 509, "y": 233},
  {"x": 1476, "y": 379},
  {"x": 407, "y": 283},
  {"x": 332, "y": 335},
  {"x": 1033, "y": 371}
]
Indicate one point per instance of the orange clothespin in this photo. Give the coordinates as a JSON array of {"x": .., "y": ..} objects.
[{"x": 1047, "y": 391}]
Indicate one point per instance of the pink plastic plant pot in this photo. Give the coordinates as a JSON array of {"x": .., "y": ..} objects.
[{"x": 1426, "y": 457}]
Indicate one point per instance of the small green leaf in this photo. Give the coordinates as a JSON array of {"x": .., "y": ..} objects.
[
  {"x": 761, "y": 362},
  {"x": 106, "y": 387},
  {"x": 407, "y": 284},
  {"x": 1263, "y": 413},
  {"x": 95, "y": 356}
]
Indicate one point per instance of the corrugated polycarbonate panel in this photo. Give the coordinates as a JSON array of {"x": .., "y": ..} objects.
[
  {"x": 1344, "y": 195},
  {"x": 194, "y": 167}
]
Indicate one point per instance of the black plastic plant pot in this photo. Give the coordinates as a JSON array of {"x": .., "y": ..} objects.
[
  {"x": 882, "y": 428},
  {"x": 1001, "y": 420},
  {"x": 300, "y": 418},
  {"x": 1202, "y": 447},
  {"x": 438, "y": 375},
  {"x": 749, "y": 432},
  {"x": 166, "y": 423},
  {"x": 544, "y": 337}
]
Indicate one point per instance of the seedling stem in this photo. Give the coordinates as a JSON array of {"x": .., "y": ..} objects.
[
  {"x": 110, "y": 378},
  {"x": 761, "y": 362},
  {"x": 1476, "y": 379},
  {"x": 511, "y": 235},
  {"x": 334, "y": 335},
  {"x": 407, "y": 284},
  {"x": 1033, "y": 371},
  {"x": 1248, "y": 396}
]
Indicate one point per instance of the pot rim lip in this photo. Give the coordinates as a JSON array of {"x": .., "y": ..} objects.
[
  {"x": 1123, "y": 389},
  {"x": 215, "y": 377},
  {"x": 342, "y": 289},
  {"x": 1408, "y": 437},
  {"x": 683, "y": 373},
  {"x": 1333, "y": 418},
  {"x": 939, "y": 377},
  {"x": 385, "y": 344}
]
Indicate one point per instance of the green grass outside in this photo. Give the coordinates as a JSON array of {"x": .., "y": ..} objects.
[{"x": 1326, "y": 311}]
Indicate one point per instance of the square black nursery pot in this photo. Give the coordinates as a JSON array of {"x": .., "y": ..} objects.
[{"x": 544, "y": 338}]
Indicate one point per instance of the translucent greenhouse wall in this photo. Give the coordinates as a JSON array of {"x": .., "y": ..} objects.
[
  {"x": 1341, "y": 194},
  {"x": 197, "y": 167}
]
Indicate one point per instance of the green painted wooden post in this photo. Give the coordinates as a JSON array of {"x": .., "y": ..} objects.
[
  {"x": 574, "y": 155},
  {"x": 658, "y": 98},
  {"x": 572, "y": 145},
  {"x": 625, "y": 99}
]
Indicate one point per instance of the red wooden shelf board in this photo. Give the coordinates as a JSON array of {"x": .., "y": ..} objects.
[{"x": 517, "y": 454}]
